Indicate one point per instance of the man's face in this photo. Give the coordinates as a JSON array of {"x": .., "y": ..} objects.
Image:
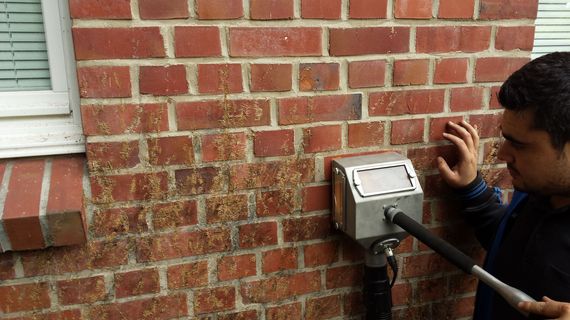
[{"x": 534, "y": 164}]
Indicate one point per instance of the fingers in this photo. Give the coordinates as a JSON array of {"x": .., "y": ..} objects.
[
  {"x": 547, "y": 307},
  {"x": 467, "y": 133}
]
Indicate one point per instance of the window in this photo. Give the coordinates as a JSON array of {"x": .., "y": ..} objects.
[
  {"x": 552, "y": 31},
  {"x": 39, "y": 99}
]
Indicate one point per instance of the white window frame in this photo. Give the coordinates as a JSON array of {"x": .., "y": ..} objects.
[{"x": 48, "y": 122}]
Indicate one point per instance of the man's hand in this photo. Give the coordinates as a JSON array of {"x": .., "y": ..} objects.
[
  {"x": 466, "y": 139},
  {"x": 548, "y": 308}
]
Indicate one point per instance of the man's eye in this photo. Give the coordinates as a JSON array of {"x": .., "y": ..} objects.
[{"x": 516, "y": 145}]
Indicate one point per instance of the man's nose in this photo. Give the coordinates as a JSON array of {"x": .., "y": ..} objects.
[{"x": 504, "y": 153}]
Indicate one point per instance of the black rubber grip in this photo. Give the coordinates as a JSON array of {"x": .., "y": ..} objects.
[{"x": 439, "y": 245}]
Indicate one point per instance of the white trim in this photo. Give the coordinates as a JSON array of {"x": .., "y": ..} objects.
[{"x": 552, "y": 27}]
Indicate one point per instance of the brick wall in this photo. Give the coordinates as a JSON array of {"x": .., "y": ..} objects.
[{"x": 211, "y": 127}]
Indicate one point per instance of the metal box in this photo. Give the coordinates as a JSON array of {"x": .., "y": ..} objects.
[{"x": 364, "y": 186}]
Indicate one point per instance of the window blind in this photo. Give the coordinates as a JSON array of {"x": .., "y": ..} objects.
[
  {"x": 24, "y": 61},
  {"x": 552, "y": 31}
]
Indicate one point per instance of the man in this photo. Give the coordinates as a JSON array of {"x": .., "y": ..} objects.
[
  {"x": 528, "y": 242},
  {"x": 549, "y": 308}
]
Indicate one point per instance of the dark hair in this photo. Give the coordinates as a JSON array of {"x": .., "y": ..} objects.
[{"x": 543, "y": 87}]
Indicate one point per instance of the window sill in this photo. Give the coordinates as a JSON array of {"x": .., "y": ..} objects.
[{"x": 41, "y": 202}]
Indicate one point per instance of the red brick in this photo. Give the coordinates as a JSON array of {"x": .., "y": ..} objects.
[
  {"x": 464, "y": 99},
  {"x": 91, "y": 256},
  {"x": 276, "y": 203},
  {"x": 141, "y": 186},
  {"x": 24, "y": 297},
  {"x": 74, "y": 314},
  {"x": 271, "y": 77},
  {"x": 279, "y": 260},
  {"x": 431, "y": 290},
  {"x": 406, "y": 102},
  {"x": 497, "y": 68},
  {"x": 22, "y": 205},
  {"x": 488, "y": 125},
  {"x": 423, "y": 265},
  {"x": 188, "y": 275},
  {"x": 280, "y": 287},
  {"x": 104, "y": 82},
  {"x": 214, "y": 299},
  {"x": 353, "y": 304},
  {"x": 100, "y": 9},
  {"x": 451, "y": 9},
  {"x": 199, "y": 180},
  {"x": 81, "y": 291},
  {"x": 323, "y": 307},
  {"x": 222, "y": 114},
  {"x": 257, "y": 234},
  {"x": 320, "y": 108},
  {"x": 219, "y": 9},
  {"x": 365, "y": 134},
  {"x": 173, "y": 9},
  {"x": 124, "y": 118},
  {"x": 290, "y": 311},
  {"x": 197, "y": 41},
  {"x": 462, "y": 283},
  {"x": 316, "y": 198},
  {"x": 105, "y": 156},
  {"x": 171, "y": 150},
  {"x": 437, "y": 126},
  {"x": 368, "y": 9},
  {"x": 271, "y": 174},
  {"x": 226, "y": 208},
  {"x": 453, "y": 38},
  {"x": 236, "y": 267},
  {"x": 319, "y": 254},
  {"x": 182, "y": 244},
  {"x": 407, "y": 131},
  {"x": 372, "y": 40},
  {"x": 112, "y": 222},
  {"x": 365, "y": 74},
  {"x": 219, "y": 78},
  {"x": 345, "y": 276},
  {"x": 271, "y": 9},
  {"x": 508, "y": 9},
  {"x": 323, "y": 138},
  {"x": 244, "y": 315},
  {"x": 320, "y": 9},
  {"x": 159, "y": 308},
  {"x": 174, "y": 214},
  {"x": 7, "y": 264},
  {"x": 118, "y": 43},
  {"x": 163, "y": 80},
  {"x": 66, "y": 184},
  {"x": 453, "y": 70},
  {"x": 413, "y": 9},
  {"x": 274, "y": 143},
  {"x": 306, "y": 228},
  {"x": 513, "y": 38},
  {"x": 410, "y": 72},
  {"x": 493, "y": 99},
  {"x": 319, "y": 76},
  {"x": 224, "y": 147},
  {"x": 453, "y": 308},
  {"x": 134, "y": 283},
  {"x": 275, "y": 41}
]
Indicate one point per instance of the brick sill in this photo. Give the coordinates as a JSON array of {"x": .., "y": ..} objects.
[{"x": 41, "y": 202}]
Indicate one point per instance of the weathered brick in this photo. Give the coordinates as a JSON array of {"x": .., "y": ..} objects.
[
  {"x": 171, "y": 150},
  {"x": 104, "y": 82},
  {"x": 244, "y": 315},
  {"x": 227, "y": 208},
  {"x": 100, "y": 9},
  {"x": 271, "y": 77},
  {"x": 172, "y": 9},
  {"x": 118, "y": 43},
  {"x": 319, "y": 254},
  {"x": 493, "y": 99},
  {"x": 368, "y": 9},
  {"x": 188, "y": 275},
  {"x": 159, "y": 308},
  {"x": 407, "y": 131},
  {"x": 271, "y": 9},
  {"x": 222, "y": 114},
  {"x": 257, "y": 234},
  {"x": 353, "y": 304},
  {"x": 219, "y": 9},
  {"x": 413, "y": 9},
  {"x": 103, "y": 156},
  {"x": 273, "y": 143},
  {"x": 319, "y": 76},
  {"x": 275, "y": 41},
  {"x": 456, "y": 308},
  {"x": 410, "y": 72},
  {"x": 431, "y": 290},
  {"x": 214, "y": 299},
  {"x": 219, "y": 78},
  {"x": 290, "y": 311},
  {"x": 320, "y": 9},
  {"x": 271, "y": 174},
  {"x": 372, "y": 40},
  {"x": 320, "y": 108},
  {"x": 323, "y": 307},
  {"x": 406, "y": 102},
  {"x": 174, "y": 214},
  {"x": 345, "y": 276},
  {"x": 464, "y": 99},
  {"x": 7, "y": 264},
  {"x": 437, "y": 126},
  {"x": 182, "y": 244},
  {"x": 425, "y": 264},
  {"x": 276, "y": 203},
  {"x": 452, "y": 70},
  {"x": 24, "y": 297},
  {"x": 451, "y": 9},
  {"x": 322, "y": 138},
  {"x": 453, "y": 38},
  {"x": 513, "y": 38},
  {"x": 115, "y": 221},
  {"x": 508, "y": 9},
  {"x": 163, "y": 80},
  {"x": 236, "y": 267},
  {"x": 124, "y": 118},
  {"x": 224, "y": 147},
  {"x": 73, "y": 314},
  {"x": 134, "y": 283},
  {"x": 488, "y": 125},
  {"x": 306, "y": 228},
  {"x": 365, "y": 134},
  {"x": 316, "y": 198},
  {"x": 279, "y": 260},
  {"x": 280, "y": 287},
  {"x": 365, "y": 74},
  {"x": 197, "y": 41},
  {"x": 199, "y": 180},
  {"x": 139, "y": 186}
]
